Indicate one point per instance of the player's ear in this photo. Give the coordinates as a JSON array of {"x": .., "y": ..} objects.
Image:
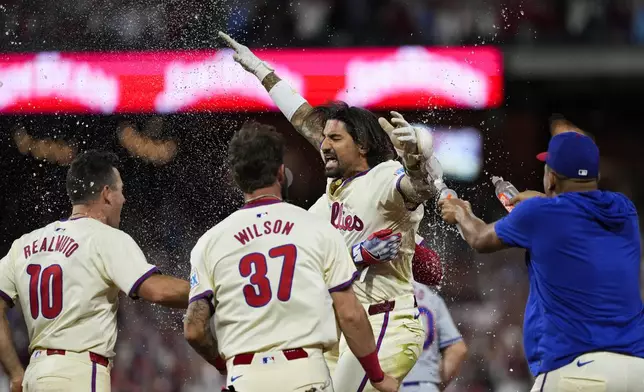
[
  {"x": 281, "y": 174},
  {"x": 363, "y": 150},
  {"x": 106, "y": 194},
  {"x": 552, "y": 181}
]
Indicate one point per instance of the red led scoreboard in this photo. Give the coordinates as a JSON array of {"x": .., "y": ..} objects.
[{"x": 403, "y": 78}]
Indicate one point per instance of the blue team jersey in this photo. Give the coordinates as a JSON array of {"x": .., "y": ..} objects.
[{"x": 583, "y": 256}]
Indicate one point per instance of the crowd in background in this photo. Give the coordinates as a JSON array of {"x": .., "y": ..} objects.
[{"x": 41, "y": 25}]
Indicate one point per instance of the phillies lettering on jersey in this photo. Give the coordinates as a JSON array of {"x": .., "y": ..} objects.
[
  {"x": 342, "y": 221},
  {"x": 367, "y": 203}
]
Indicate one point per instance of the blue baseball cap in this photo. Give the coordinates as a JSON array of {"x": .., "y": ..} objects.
[{"x": 572, "y": 155}]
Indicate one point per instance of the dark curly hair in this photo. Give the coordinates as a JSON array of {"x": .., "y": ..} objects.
[
  {"x": 255, "y": 154},
  {"x": 361, "y": 124}
]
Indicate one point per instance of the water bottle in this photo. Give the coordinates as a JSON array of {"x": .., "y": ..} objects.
[
  {"x": 504, "y": 191},
  {"x": 446, "y": 193}
]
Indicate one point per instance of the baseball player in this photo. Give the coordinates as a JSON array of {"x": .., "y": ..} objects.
[
  {"x": 272, "y": 273},
  {"x": 584, "y": 324},
  {"x": 67, "y": 277},
  {"x": 367, "y": 191},
  {"x": 444, "y": 350}
]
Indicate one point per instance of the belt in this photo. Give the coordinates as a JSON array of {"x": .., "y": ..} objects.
[
  {"x": 385, "y": 307},
  {"x": 98, "y": 359},
  {"x": 290, "y": 354}
]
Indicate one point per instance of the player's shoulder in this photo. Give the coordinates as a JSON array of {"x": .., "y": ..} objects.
[
  {"x": 103, "y": 232},
  {"x": 390, "y": 168},
  {"x": 33, "y": 235},
  {"x": 535, "y": 205}
]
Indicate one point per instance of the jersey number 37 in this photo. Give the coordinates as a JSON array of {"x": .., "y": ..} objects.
[{"x": 258, "y": 293}]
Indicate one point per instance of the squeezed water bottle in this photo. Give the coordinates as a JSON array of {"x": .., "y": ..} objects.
[
  {"x": 446, "y": 193},
  {"x": 504, "y": 191}
]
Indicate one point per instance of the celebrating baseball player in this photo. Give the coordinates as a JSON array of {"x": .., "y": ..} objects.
[
  {"x": 368, "y": 191},
  {"x": 584, "y": 320},
  {"x": 67, "y": 276},
  {"x": 272, "y": 274}
]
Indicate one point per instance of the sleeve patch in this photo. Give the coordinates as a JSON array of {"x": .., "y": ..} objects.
[{"x": 194, "y": 279}]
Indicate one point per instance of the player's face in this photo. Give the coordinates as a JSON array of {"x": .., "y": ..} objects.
[
  {"x": 341, "y": 155},
  {"x": 115, "y": 200}
]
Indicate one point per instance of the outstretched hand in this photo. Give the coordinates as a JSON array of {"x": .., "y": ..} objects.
[{"x": 246, "y": 58}]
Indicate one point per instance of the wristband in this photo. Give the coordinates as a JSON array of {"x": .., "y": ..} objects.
[
  {"x": 262, "y": 71},
  {"x": 286, "y": 99},
  {"x": 371, "y": 366}
]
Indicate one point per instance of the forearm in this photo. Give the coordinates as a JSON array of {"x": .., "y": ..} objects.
[
  {"x": 206, "y": 347},
  {"x": 416, "y": 190},
  {"x": 196, "y": 330},
  {"x": 453, "y": 357},
  {"x": 358, "y": 332},
  {"x": 8, "y": 355},
  {"x": 286, "y": 101},
  {"x": 178, "y": 295},
  {"x": 167, "y": 291},
  {"x": 472, "y": 227}
]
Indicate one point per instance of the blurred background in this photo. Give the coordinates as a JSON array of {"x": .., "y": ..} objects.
[{"x": 511, "y": 64}]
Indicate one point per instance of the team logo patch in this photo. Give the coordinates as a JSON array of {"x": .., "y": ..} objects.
[
  {"x": 194, "y": 280},
  {"x": 399, "y": 171}
]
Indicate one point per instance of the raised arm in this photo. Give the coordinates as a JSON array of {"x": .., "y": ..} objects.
[{"x": 289, "y": 101}]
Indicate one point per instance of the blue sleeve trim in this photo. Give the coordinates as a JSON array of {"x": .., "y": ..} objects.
[
  {"x": 206, "y": 296},
  {"x": 6, "y": 298},
  {"x": 135, "y": 287},
  {"x": 449, "y": 342},
  {"x": 345, "y": 285}
]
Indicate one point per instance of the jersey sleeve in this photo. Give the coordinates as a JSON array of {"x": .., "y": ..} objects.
[
  {"x": 201, "y": 282},
  {"x": 448, "y": 334},
  {"x": 8, "y": 290},
  {"x": 124, "y": 262},
  {"x": 339, "y": 269},
  {"x": 386, "y": 187},
  {"x": 516, "y": 228},
  {"x": 321, "y": 207}
]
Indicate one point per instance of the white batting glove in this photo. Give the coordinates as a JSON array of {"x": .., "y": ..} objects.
[
  {"x": 412, "y": 144},
  {"x": 246, "y": 58}
]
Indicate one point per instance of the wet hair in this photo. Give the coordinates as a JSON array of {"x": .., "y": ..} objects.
[
  {"x": 88, "y": 174},
  {"x": 361, "y": 124},
  {"x": 255, "y": 154}
]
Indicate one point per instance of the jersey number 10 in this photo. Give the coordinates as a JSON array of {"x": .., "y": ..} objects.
[
  {"x": 45, "y": 290},
  {"x": 258, "y": 293}
]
